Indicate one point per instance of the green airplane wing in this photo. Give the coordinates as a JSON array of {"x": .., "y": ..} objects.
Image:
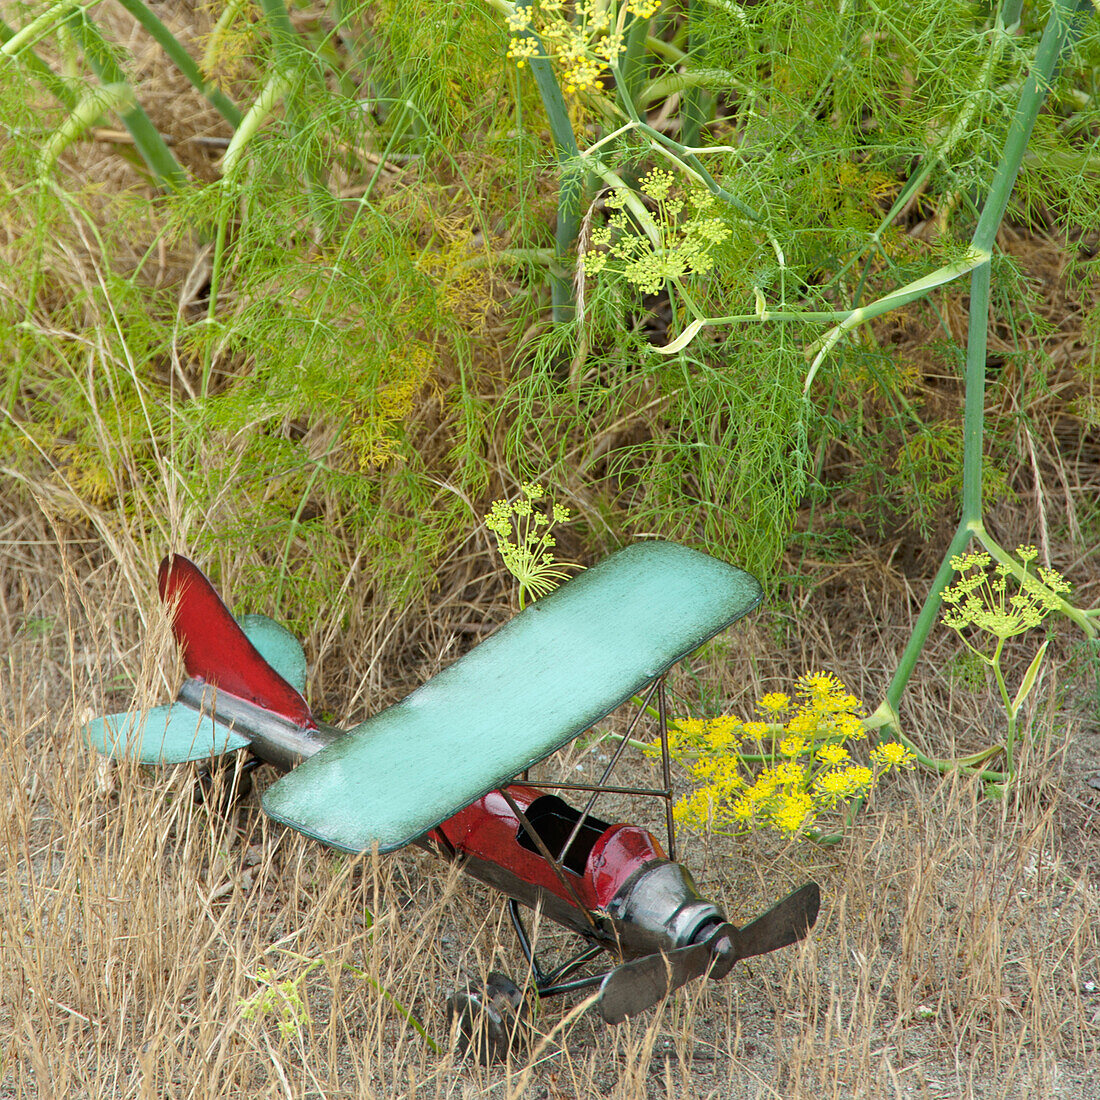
[
  {"x": 538, "y": 682},
  {"x": 171, "y": 734}
]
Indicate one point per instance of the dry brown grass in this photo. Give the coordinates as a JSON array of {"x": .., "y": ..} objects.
[{"x": 956, "y": 954}]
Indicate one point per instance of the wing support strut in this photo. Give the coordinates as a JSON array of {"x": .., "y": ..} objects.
[{"x": 555, "y": 863}]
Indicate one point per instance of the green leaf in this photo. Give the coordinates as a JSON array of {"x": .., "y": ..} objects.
[
  {"x": 682, "y": 340},
  {"x": 1029, "y": 679}
]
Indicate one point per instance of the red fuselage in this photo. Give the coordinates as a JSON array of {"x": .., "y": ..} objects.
[{"x": 598, "y": 864}]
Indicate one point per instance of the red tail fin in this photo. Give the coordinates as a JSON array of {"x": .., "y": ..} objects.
[{"x": 216, "y": 650}]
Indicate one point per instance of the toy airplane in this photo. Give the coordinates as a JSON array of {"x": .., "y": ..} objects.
[{"x": 440, "y": 769}]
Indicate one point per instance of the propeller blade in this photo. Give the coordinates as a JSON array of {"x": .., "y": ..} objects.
[
  {"x": 786, "y": 922},
  {"x": 642, "y": 983}
]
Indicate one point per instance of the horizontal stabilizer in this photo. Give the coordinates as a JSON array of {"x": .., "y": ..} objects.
[
  {"x": 177, "y": 733},
  {"x": 215, "y": 648},
  {"x": 173, "y": 734}
]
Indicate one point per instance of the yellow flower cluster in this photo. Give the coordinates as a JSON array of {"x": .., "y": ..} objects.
[
  {"x": 784, "y": 770},
  {"x": 522, "y": 532},
  {"x": 685, "y": 243},
  {"x": 981, "y": 599},
  {"x": 583, "y": 38}
]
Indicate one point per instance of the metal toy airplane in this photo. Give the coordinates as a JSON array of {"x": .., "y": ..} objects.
[{"x": 440, "y": 769}]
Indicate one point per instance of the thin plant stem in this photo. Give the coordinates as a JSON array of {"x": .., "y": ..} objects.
[
  {"x": 911, "y": 292},
  {"x": 292, "y": 62},
  {"x": 41, "y": 25},
  {"x": 632, "y": 61},
  {"x": 217, "y": 264},
  {"x": 57, "y": 86},
  {"x": 955, "y": 134},
  {"x": 570, "y": 188},
  {"x": 183, "y": 61},
  {"x": 691, "y": 161},
  {"x": 1057, "y": 36},
  {"x": 693, "y": 111},
  {"x": 998, "y": 675},
  {"x": 691, "y": 85},
  {"x": 358, "y": 972},
  {"x": 147, "y": 140},
  {"x": 98, "y": 101},
  {"x": 277, "y": 86}
]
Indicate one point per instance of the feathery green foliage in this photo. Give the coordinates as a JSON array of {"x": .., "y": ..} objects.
[{"x": 309, "y": 339}]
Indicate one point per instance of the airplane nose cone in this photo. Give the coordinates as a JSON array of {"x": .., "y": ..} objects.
[{"x": 663, "y": 908}]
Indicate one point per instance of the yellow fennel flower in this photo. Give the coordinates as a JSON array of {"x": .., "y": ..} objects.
[
  {"x": 833, "y": 755},
  {"x": 775, "y": 702},
  {"x": 757, "y": 774},
  {"x": 793, "y": 813},
  {"x": 892, "y": 754}
]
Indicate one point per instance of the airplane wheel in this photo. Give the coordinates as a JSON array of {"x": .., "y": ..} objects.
[
  {"x": 223, "y": 787},
  {"x": 492, "y": 1018}
]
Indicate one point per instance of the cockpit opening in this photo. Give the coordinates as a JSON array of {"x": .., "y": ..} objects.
[{"x": 553, "y": 819}]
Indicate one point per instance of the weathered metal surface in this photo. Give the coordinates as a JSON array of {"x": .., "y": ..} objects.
[
  {"x": 173, "y": 734},
  {"x": 662, "y": 898},
  {"x": 542, "y": 679},
  {"x": 601, "y": 859},
  {"x": 619, "y": 890},
  {"x": 638, "y": 985},
  {"x": 715, "y": 947},
  {"x": 271, "y": 737},
  {"x": 786, "y": 922}
]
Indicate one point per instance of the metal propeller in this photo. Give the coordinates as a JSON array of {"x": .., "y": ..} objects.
[{"x": 642, "y": 983}]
